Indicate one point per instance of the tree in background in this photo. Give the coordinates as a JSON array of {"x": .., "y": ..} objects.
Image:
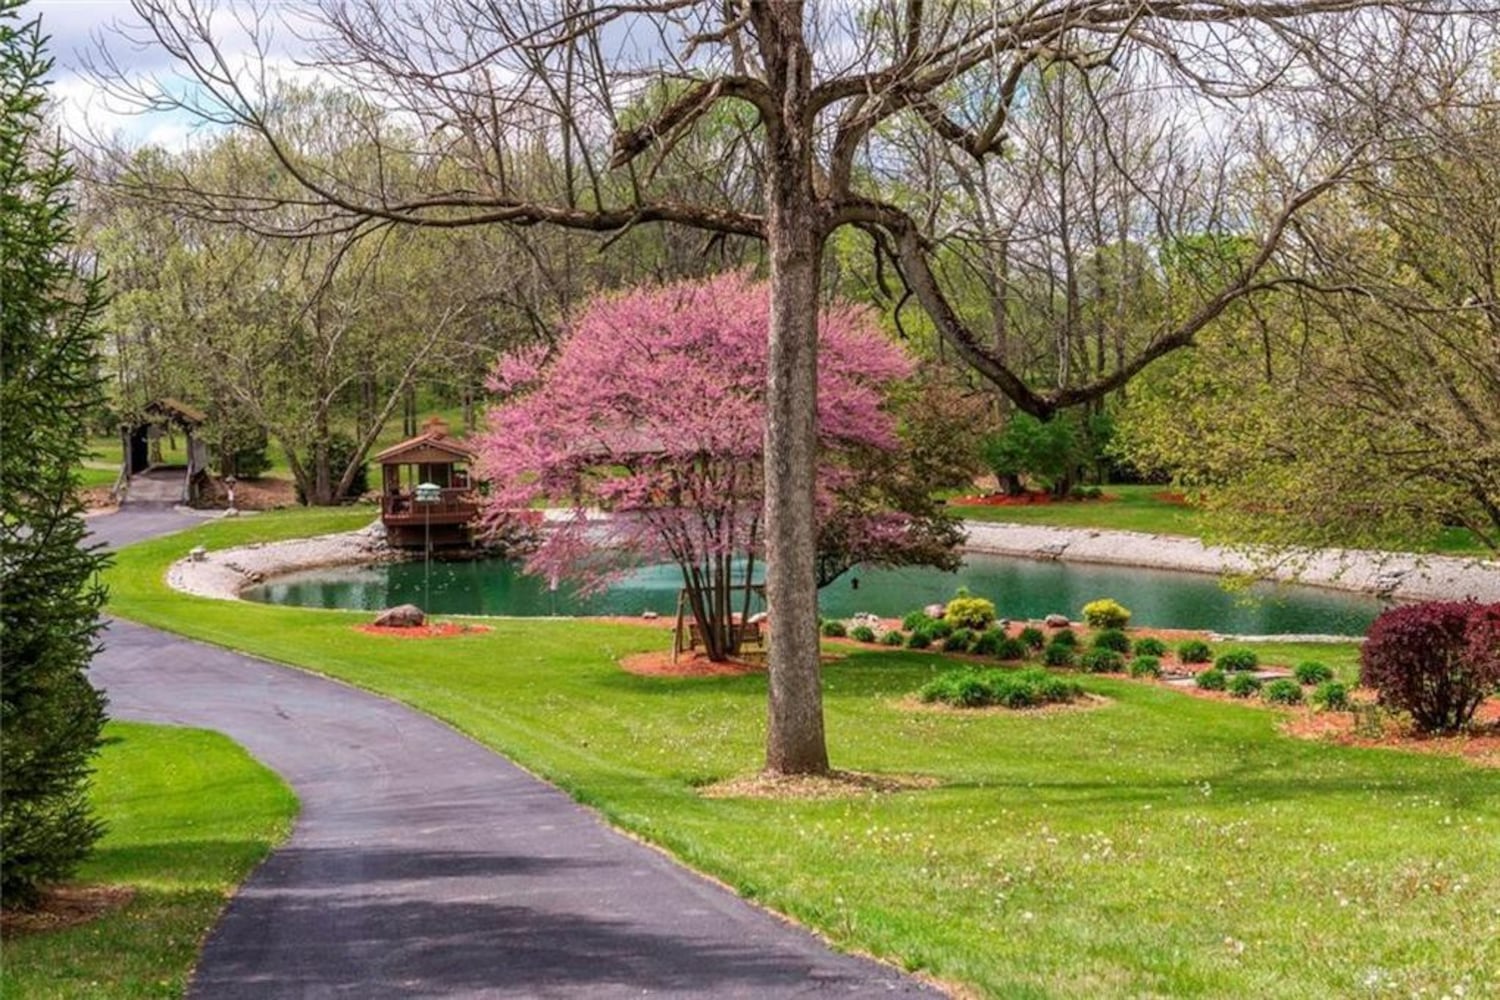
[
  {"x": 653, "y": 411},
  {"x": 50, "y": 716}
]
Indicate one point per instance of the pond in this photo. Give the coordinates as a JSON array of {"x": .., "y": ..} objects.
[{"x": 1020, "y": 588}]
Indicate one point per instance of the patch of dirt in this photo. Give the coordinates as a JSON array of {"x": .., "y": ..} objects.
[
  {"x": 434, "y": 630},
  {"x": 266, "y": 493},
  {"x": 96, "y": 500},
  {"x": 1029, "y": 499},
  {"x": 65, "y": 906},
  {"x": 833, "y": 785},
  {"x": 1168, "y": 496},
  {"x": 1479, "y": 745}
]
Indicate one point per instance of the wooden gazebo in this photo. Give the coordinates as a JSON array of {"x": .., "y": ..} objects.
[{"x": 430, "y": 457}]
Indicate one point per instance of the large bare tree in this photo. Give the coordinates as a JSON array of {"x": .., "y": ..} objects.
[{"x": 803, "y": 100}]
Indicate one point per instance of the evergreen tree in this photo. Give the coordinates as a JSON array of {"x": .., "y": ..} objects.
[{"x": 50, "y": 716}]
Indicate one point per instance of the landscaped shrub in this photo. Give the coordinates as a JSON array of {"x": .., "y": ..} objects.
[
  {"x": 1332, "y": 695},
  {"x": 1194, "y": 651},
  {"x": 1063, "y": 637},
  {"x": 916, "y": 620},
  {"x": 1312, "y": 672},
  {"x": 1012, "y": 649},
  {"x": 1105, "y": 613},
  {"x": 1145, "y": 666},
  {"x": 941, "y": 629},
  {"x": 1033, "y": 637},
  {"x": 863, "y": 633},
  {"x": 920, "y": 639},
  {"x": 1112, "y": 639},
  {"x": 958, "y": 641},
  {"x": 1014, "y": 689},
  {"x": 967, "y": 611},
  {"x": 893, "y": 638},
  {"x": 1149, "y": 647},
  {"x": 987, "y": 643},
  {"x": 1211, "y": 679},
  {"x": 1059, "y": 654},
  {"x": 1237, "y": 660},
  {"x": 834, "y": 629},
  {"x": 1101, "y": 661},
  {"x": 1436, "y": 661},
  {"x": 1283, "y": 692},
  {"x": 1243, "y": 685}
]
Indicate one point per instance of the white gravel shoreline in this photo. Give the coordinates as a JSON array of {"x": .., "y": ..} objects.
[{"x": 224, "y": 574}]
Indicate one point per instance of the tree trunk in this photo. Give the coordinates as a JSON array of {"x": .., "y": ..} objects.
[{"x": 794, "y": 237}]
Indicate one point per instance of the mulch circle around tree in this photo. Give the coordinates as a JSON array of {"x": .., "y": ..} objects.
[
  {"x": 438, "y": 630},
  {"x": 659, "y": 663},
  {"x": 832, "y": 785},
  {"x": 1479, "y": 744},
  {"x": 65, "y": 906}
]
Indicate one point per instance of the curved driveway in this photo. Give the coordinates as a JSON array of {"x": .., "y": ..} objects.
[{"x": 425, "y": 865}]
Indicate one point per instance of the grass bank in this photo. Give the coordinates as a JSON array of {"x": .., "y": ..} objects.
[
  {"x": 1159, "y": 845},
  {"x": 190, "y": 814}
]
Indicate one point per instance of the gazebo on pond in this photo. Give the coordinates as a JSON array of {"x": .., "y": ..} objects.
[{"x": 430, "y": 457}]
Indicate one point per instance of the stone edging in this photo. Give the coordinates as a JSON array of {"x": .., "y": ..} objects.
[
  {"x": 223, "y": 574},
  {"x": 1399, "y": 576}
]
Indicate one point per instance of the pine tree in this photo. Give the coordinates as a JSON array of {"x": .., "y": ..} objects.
[{"x": 50, "y": 716}]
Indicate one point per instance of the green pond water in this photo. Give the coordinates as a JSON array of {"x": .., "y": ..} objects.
[{"x": 1020, "y": 588}]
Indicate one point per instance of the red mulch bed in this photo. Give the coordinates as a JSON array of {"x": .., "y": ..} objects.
[
  {"x": 65, "y": 906},
  {"x": 1167, "y": 496},
  {"x": 438, "y": 630},
  {"x": 1480, "y": 745},
  {"x": 1032, "y": 499},
  {"x": 692, "y": 664}
]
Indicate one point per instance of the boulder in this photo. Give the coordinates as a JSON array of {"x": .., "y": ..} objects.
[
  {"x": 401, "y": 616},
  {"x": 935, "y": 610},
  {"x": 649, "y": 615},
  {"x": 1057, "y": 621}
]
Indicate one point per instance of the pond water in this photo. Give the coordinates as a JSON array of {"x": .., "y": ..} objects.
[{"x": 1020, "y": 588}]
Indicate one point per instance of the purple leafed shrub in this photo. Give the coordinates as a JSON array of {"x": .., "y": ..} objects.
[{"x": 1436, "y": 661}]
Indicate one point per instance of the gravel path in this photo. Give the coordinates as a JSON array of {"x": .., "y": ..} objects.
[{"x": 424, "y": 865}]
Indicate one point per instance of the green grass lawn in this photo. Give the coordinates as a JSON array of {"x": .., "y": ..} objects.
[
  {"x": 189, "y": 814},
  {"x": 1141, "y": 508},
  {"x": 1160, "y": 845}
]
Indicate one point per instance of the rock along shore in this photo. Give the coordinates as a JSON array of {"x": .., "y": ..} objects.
[
  {"x": 223, "y": 574},
  {"x": 1397, "y": 575}
]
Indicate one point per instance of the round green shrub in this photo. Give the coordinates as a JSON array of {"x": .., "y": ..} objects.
[
  {"x": 1211, "y": 679},
  {"x": 893, "y": 638},
  {"x": 1145, "y": 666},
  {"x": 1332, "y": 696},
  {"x": 834, "y": 629},
  {"x": 920, "y": 639},
  {"x": 1149, "y": 647},
  {"x": 966, "y": 611},
  {"x": 915, "y": 620},
  {"x": 1033, "y": 637},
  {"x": 1311, "y": 672},
  {"x": 960, "y": 640},
  {"x": 987, "y": 643},
  {"x": 971, "y": 688},
  {"x": 940, "y": 629},
  {"x": 1012, "y": 649},
  {"x": 1194, "y": 651},
  {"x": 1112, "y": 639},
  {"x": 1063, "y": 637},
  {"x": 1237, "y": 660},
  {"x": 1102, "y": 661},
  {"x": 1283, "y": 692},
  {"x": 863, "y": 633},
  {"x": 1243, "y": 685},
  {"x": 1059, "y": 654},
  {"x": 1105, "y": 613}
]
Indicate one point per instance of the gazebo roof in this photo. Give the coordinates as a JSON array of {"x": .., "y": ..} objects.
[{"x": 431, "y": 447}]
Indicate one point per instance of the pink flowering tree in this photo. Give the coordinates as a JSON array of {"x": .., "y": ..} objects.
[{"x": 648, "y": 424}]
